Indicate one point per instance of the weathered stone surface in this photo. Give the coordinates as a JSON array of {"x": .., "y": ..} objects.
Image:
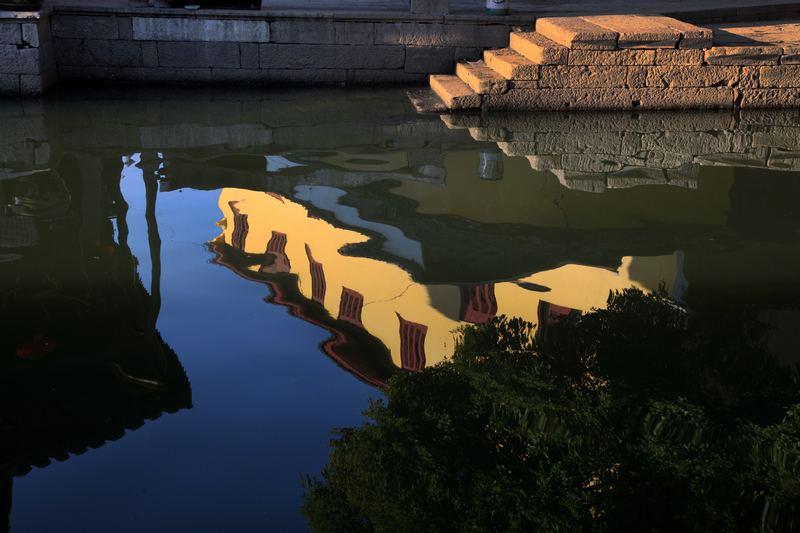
[
  {"x": 384, "y": 77},
  {"x": 691, "y": 76},
  {"x": 780, "y": 77},
  {"x": 98, "y": 52},
  {"x": 354, "y": 32},
  {"x": 691, "y": 36},
  {"x": 791, "y": 55},
  {"x": 590, "y": 163},
  {"x": 198, "y": 54},
  {"x": 538, "y": 49},
  {"x": 85, "y": 26},
  {"x": 679, "y": 57},
  {"x": 511, "y": 65},
  {"x": 289, "y": 56},
  {"x": 15, "y": 60},
  {"x": 638, "y": 31},
  {"x": 743, "y": 55},
  {"x": 586, "y": 182},
  {"x": 164, "y": 75},
  {"x": 784, "y": 137},
  {"x": 125, "y": 28},
  {"x": 190, "y": 29},
  {"x": 770, "y": 98},
  {"x": 576, "y": 33},
  {"x": 10, "y": 33},
  {"x": 248, "y": 55},
  {"x": 31, "y": 84},
  {"x": 9, "y": 84},
  {"x": 544, "y": 162},
  {"x": 614, "y": 57},
  {"x": 435, "y": 34},
  {"x": 750, "y": 77},
  {"x": 784, "y": 160},
  {"x": 279, "y": 76},
  {"x": 149, "y": 54},
  {"x": 481, "y": 78},
  {"x": 608, "y": 99},
  {"x": 454, "y": 93},
  {"x": 581, "y": 77},
  {"x": 299, "y": 31},
  {"x": 429, "y": 59},
  {"x": 430, "y": 7}
]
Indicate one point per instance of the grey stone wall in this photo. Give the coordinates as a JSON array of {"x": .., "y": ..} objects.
[
  {"x": 27, "y": 63},
  {"x": 225, "y": 50}
]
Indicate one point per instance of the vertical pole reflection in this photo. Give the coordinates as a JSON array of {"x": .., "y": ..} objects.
[{"x": 149, "y": 164}]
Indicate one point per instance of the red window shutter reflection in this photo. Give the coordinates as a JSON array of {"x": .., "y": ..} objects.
[
  {"x": 350, "y": 305},
  {"x": 549, "y": 314},
  {"x": 276, "y": 247},
  {"x": 318, "y": 285},
  {"x": 240, "y": 227},
  {"x": 478, "y": 303},
  {"x": 277, "y": 243},
  {"x": 412, "y": 344}
]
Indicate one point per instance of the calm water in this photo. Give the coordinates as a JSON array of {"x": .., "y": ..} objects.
[{"x": 197, "y": 286}]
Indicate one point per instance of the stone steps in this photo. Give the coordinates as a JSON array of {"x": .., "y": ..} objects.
[{"x": 625, "y": 62}]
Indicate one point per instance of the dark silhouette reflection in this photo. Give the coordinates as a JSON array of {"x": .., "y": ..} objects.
[
  {"x": 639, "y": 417},
  {"x": 81, "y": 360}
]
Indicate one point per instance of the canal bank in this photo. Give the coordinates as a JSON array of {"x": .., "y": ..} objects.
[{"x": 319, "y": 45}]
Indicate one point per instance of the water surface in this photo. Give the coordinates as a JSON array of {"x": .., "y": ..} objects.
[{"x": 197, "y": 286}]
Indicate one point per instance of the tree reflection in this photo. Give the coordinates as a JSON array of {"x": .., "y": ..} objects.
[{"x": 641, "y": 416}]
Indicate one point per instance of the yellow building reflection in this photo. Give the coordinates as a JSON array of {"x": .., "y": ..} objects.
[{"x": 415, "y": 322}]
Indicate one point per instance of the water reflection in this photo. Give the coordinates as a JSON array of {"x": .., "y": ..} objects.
[{"x": 385, "y": 228}]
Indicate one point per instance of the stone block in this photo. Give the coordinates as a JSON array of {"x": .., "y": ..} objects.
[
  {"x": 115, "y": 53},
  {"x": 15, "y": 60},
  {"x": 125, "y": 28},
  {"x": 429, "y": 59},
  {"x": 467, "y": 53},
  {"x": 544, "y": 162},
  {"x": 511, "y": 65},
  {"x": 384, "y": 77},
  {"x": 88, "y": 73},
  {"x": 436, "y": 34},
  {"x": 692, "y": 76},
  {"x": 791, "y": 55},
  {"x": 750, "y": 77},
  {"x": 328, "y": 76},
  {"x": 36, "y": 34},
  {"x": 590, "y": 163},
  {"x": 282, "y": 56},
  {"x": 198, "y": 54},
  {"x": 149, "y": 54},
  {"x": 538, "y": 49},
  {"x": 576, "y": 33},
  {"x": 31, "y": 84},
  {"x": 786, "y": 138},
  {"x": 190, "y": 29},
  {"x": 354, "y": 32},
  {"x": 300, "y": 31},
  {"x": 164, "y": 75},
  {"x": 481, "y": 78},
  {"x": 554, "y": 77},
  {"x": 679, "y": 57},
  {"x": 581, "y": 181},
  {"x": 85, "y": 26},
  {"x": 248, "y": 55},
  {"x": 454, "y": 93},
  {"x": 743, "y": 55},
  {"x": 780, "y": 77},
  {"x": 614, "y": 57},
  {"x": 784, "y": 160},
  {"x": 10, "y": 33},
  {"x": 73, "y": 52},
  {"x": 9, "y": 84},
  {"x": 769, "y": 98},
  {"x": 638, "y": 31},
  {"x": 430, "y": 7},
  {"x": 692, "y": 37},
  {"x": 609, "y": 99}
]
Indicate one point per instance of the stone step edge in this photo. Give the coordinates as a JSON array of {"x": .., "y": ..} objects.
[
  {"x": 481, "y": 78},
  {"x": 454, "y": 93}
]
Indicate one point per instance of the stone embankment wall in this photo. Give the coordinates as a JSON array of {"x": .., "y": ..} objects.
[{"x": 174, "y": 46}]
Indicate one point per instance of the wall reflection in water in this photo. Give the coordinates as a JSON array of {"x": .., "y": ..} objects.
[{"x": 386, "y": 228}]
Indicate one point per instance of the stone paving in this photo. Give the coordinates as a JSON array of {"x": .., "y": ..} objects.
[{"x": 629, "y": 62}]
